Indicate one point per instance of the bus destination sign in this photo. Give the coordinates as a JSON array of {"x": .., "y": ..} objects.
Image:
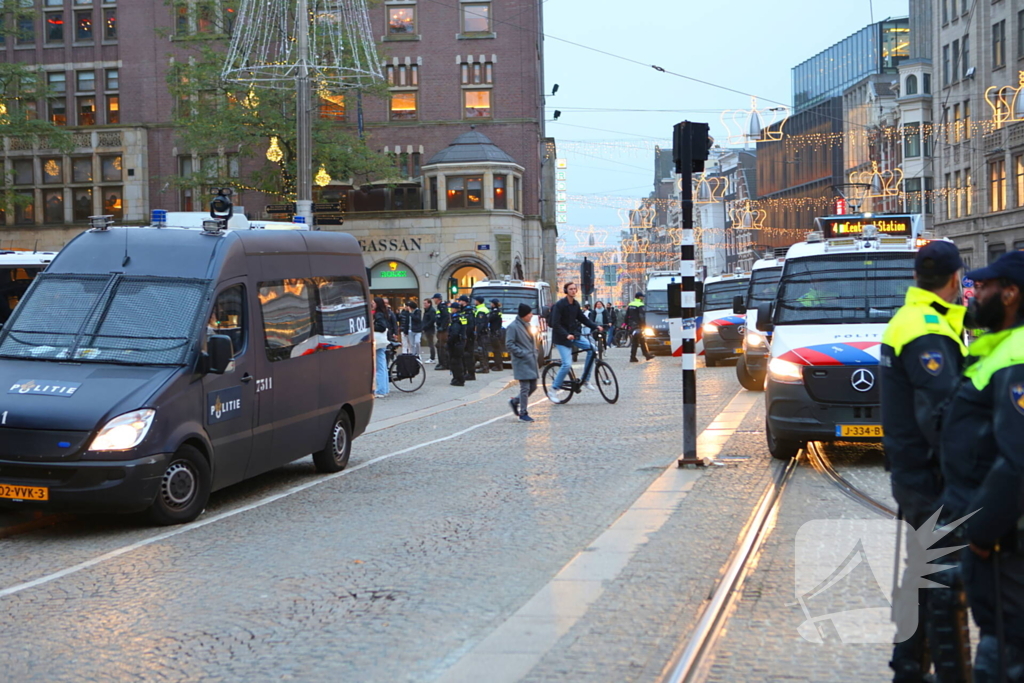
[{"x": 839, "y": 226}]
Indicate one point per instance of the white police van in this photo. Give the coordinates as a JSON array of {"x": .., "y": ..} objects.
[
  {"x": 656, "y": 307},
  {"x": 17, "y": 270},
  {"x": 720, "y": 330},
  {"x": 511, "y": 293},
  {"x": 764, "y": 282},
  {"x": 838, "y": 291}
]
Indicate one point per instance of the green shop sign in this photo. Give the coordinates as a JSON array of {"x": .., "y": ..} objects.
[
  {"x": 393, "y": 273},
  {"x": 393, "y": 276}
]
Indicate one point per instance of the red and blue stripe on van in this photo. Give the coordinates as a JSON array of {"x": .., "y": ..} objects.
[{"x": 848, "y": 353}]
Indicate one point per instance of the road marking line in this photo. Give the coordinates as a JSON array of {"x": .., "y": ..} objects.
[
  {"x": 515, "y": 647},
  {"x": 113, "y": 554}
]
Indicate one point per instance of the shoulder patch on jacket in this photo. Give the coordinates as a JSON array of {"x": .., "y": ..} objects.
[
  {"x": 932, "y": 362},
  {"x": 931, "y": 319},
  {"x": 1017, "y": 396}
]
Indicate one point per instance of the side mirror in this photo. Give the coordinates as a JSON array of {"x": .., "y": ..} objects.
[
  {"x": 739, "y": 306},
  {"x": 219, "y": 352},
  {"x": 764, "y": 317}
]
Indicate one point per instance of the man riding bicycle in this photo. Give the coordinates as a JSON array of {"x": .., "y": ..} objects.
[{"x": 567, "y": 319}]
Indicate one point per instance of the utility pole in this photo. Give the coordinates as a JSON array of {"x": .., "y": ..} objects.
[
  {"x": 690, "y": 147},
  {"x": 304, "y": 133}
]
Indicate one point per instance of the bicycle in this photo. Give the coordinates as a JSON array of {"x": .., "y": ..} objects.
[
  {"x": 604, "y": 377},
  {"x": 623, "y": 336},
  {"x": 404, "y": 384}
]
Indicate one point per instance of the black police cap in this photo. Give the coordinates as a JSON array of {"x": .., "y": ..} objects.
[
  {"x": 1010, "y": 266},
  {"x": 938, "y": 258}
]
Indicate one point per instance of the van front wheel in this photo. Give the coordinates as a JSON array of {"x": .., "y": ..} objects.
[
  {"x": 334, "y": 456},
  {"x": 184, "y": 488}
]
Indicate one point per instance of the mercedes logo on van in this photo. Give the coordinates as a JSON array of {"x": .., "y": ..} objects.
[{"x": 863, "y": 380}]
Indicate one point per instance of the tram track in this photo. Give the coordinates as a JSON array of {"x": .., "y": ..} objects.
[{"x": 692, "y": 660}]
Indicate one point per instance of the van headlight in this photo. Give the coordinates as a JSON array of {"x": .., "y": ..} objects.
[
  {"x": 785, "y": 371},
  {"x": 710, "y": 328},
  {"x": 755, "y": 338},
  {"x": 124, "y": 431},
  {"x": 648, "y": 331}
]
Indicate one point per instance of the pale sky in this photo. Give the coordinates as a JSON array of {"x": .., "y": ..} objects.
[{"x": 741, "y": 44}]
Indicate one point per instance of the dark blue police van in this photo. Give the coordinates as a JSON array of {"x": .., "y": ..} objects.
[{"x": 148, "y": 367}]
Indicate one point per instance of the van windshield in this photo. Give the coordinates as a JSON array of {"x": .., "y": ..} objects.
[
  {"x": 764, "y": 283},
  {"x": 120, "y": 319},
  {"x": 719, "y": 295},
  {"x": 657, "y": 300},
  {"x": 846, "y": 288},
  {"x": 510, "y": 297}
]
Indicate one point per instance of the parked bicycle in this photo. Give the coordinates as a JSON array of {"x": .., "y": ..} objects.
[
  {"x": 405, "y": 370},
  {"x": 604, "y": 377},
  {"x": 623, "y": 336}
]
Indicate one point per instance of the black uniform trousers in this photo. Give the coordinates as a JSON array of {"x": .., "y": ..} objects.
[
  {"x": 469, "y": 357},
  {"x": 454, "y": 346},
  {"x": 498, "y": 349},
  {"x": 638, "y": 341},
  {"x": 483, "y": 343},
  {"x": 442, "y": 349}
]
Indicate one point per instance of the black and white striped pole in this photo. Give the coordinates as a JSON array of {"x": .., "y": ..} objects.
[{"x": 690, "y": 146}]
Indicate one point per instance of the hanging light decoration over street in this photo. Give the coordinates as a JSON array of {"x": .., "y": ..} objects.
[
  {"x": 274, "y": 152},
  {"x": 323, "y": 178}
]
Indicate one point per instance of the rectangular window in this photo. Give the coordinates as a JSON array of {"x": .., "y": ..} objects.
[
  {"x": 996, "y": 250},
  {"x": 476, "y": 18},
  {"x": 403, "y": 106},
  {"x": 477, "y": 73},
  {"x": 949, "y": 196},
  {"x": 967, "y": 120},
  {"x": 912, "y": 186},
  {"x": 53, "y": 3},
  {"x": 228, "y": 318},
  {"x": 403, "y": 75},
  {"x": 342, "y": 313},
  {"x": 401, "y": 20},
  {"x": 958, "y": 204},
  {"x": 928, "y": 187},
  {"x": 113, "y": 79},
  {"x": 416, "y": 170},
  {"x": 500, "y": 192},
  {"x": 83, "y": 26},
  {"x": 204, "y": 19},
  {"x": 1018, "y": 174},
  {"x": 956, "y": 60},
  {"x": 25, "y": 208},
  {"x": 185, "y": 169},
  {"x": 26, "y": 31},
  {"x": 113, "y": 109},
  {"x": 81, "y": 170},
  {"x": 965, "y": 56},
  {"x": 54, "y": 27},
  {"x": 997, "y": 185},
  {"x": 465, "y": 193},
  {"x": 968, "y": 191},
  {"x": 181, "y": 22},
  {"x": 456, "y": 194},
  {"x": 927, "y": 80},
  {"x": 110, "y": 24},
  {"x": 113, "y": 202},
  {"x": 912, "y": 140},
  {"x": 433, "y": 193},
  {"x": 516, "y": 183},
  {"x": 332, "y": 106},
  {"x": 477, "y": 104},
  {"x": 58, "y": 114},
  {"x": 999, "y": 44},
  {"x": 1020, "y": 34},
  {"x": 56, "y": 81},
  {"x": 86, "y": 111},
  {"x": 287, "y": 317},
  {"x": 23, "y": 172},
  {"x": 945, "y": 11},
  {"x": 53, "y": 206},
  {"x": 53, "y": 171},
  {"x": 82, "y": 208},
  {"x": 110, "y": 168},
  {"x": 956, "y": 123},
  {"x": 945, "y": 65},
  {"x": 85, "y": 81}
]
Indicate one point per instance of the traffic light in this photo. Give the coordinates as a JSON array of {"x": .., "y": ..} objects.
[
  {"x": 453, "y": 287},
  {"x": 587, "y": 277},
  {"x": 690, "y": 146}
]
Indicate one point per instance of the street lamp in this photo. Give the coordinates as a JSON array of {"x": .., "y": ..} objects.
[{"x": 287, "y": 44}]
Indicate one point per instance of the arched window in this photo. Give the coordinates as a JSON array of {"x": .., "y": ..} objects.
[{"x": 911, "y": 88}]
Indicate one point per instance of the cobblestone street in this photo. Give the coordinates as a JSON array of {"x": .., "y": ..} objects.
[{"x": 460, "y": 545}]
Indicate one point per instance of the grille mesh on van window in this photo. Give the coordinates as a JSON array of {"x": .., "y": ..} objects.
[
  {"x": 107, "y": 319},
  {"x": 849, "y": 288}
]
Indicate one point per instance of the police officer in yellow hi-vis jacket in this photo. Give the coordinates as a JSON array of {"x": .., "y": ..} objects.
[
  {"x": 921, "y": 359},
  {"x": 983, "y": 469}
]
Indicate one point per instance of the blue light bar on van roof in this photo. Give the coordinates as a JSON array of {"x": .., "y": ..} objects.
[
  {"x": 159, "y": 218},
  {"x": 299, "y": 219}
]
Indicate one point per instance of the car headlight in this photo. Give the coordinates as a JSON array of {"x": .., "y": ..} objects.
[
  {"x": 124, "y": 431},
  {"x": 648, "y": 331},
  {"x": 710, "y": 328},
  {"x": 785, "y": 371},
  {"x": 755, "y": 338}
]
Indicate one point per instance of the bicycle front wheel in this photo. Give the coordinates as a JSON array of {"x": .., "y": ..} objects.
[
  {"x": 409, "y": 384},
  {"x": 548, "y": 380},
  {"x": 607, "y": 382}
]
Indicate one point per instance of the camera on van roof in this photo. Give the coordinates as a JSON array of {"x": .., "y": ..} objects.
[{"x": 221, "y": 207}]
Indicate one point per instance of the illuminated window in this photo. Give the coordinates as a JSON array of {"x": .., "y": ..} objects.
[
  {"x": 997, "y": 185},
  {"x": 477, "y": 104},
  {"x": 53, "y": 206},
  {"x": 113, "y": 202},
  {"x": 54, "y": 27},
  {"x": 53, "y": 171},
  {"x": 476, "y": 18},
  {"x": 332, "y": 106},
  {"x": 81, "y": 207},
  {"x": 110, "y": 168},
  {"x": 25, "y": 208},
  {"x": 113, "y": 109},
  {"x": 958, "y": 204},
  {"x": 110, "y": 24},
  {"x": 1018, "y": 173},
  {"x": 58, "y": 114},
  {"x": 500, "y": 192},
  {"x": 465, "y": 192},
  {"x": 968, "y": 191},
  {"x": 956, "y": 123},
  {"x": 86, "y": 111},
  {"x": 81, "y": 170},
  {"x": 85, "y": 81},
  {"x": 403, "y": 106},
  {"x": 83, "y": 26},
  {"x": 401, "y": 20}
]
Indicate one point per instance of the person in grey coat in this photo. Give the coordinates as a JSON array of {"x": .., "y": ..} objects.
[{"x": 523, "y": 350}]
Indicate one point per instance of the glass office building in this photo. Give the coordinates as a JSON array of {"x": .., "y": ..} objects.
[{"x": 875, "y": 49}]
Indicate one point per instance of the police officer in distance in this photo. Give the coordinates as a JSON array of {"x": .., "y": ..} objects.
[
  {"x": 456, "y": 344},
  {"x": 921, "y": 358},
  {"x": 443, "y": 322},
  {"x": 497, "y": 335},
  {"x": 983, "y": 467},
  {"x": 483, "y": 333},
  {"x": 636, "y": 318},
  {"x": 469, "y": 350}
]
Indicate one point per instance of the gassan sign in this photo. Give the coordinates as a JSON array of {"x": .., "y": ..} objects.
[{"x": 393, "y": 244}]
